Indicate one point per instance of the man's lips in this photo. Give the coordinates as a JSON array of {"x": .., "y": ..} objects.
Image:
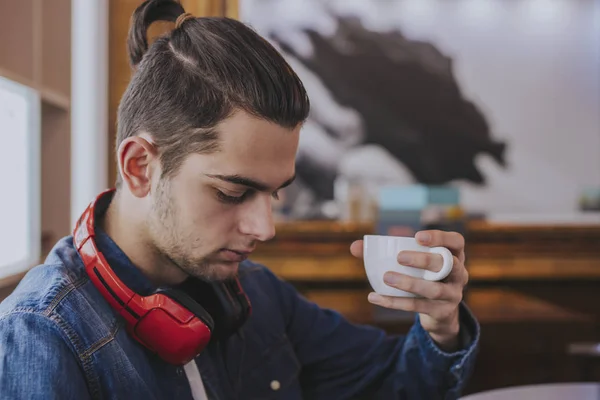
[{"x": 235, "y": 255}]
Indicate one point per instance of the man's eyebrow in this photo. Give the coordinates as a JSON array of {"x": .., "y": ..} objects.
[{"x": 252, "y": 183}]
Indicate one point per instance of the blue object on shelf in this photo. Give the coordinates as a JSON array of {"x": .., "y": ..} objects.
[
  {"x": 416, "y": 197},
  {"x": 398, "y": 223}
]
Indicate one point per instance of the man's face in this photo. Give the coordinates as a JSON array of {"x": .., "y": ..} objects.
[{"x": 209, "y": 216}]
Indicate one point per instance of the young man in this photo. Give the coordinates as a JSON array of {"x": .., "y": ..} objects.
[{"x": 150, "y": 298}]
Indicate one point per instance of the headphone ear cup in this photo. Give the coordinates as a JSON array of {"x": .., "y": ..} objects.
[
  {"x": 225, "y": 301},
  {"x": 189, "y": 303},
  {"x": 233, "y": 306}
]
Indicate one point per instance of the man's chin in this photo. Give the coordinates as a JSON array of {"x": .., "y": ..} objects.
[{"x": 221, "y": 271}]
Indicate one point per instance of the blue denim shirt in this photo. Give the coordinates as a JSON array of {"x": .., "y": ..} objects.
[{"x": 59, "y": 339}]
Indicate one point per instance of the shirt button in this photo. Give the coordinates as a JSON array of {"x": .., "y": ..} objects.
[
  {"x": 275, "y": 385},
  {"x": 456, "y": 371},
  {"x": 179, "y": 371}
]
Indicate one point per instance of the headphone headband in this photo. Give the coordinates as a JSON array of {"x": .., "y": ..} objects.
[{"x": 112, "y": 288}]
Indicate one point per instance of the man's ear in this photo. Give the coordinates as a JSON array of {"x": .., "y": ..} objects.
[{"x": 138, "y": 157}]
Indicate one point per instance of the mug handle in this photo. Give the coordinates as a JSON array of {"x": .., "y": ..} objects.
[{"x": 446, "y": 267}]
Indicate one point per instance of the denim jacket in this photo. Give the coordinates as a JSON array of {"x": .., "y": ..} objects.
[{"x": 59, "y": 339}]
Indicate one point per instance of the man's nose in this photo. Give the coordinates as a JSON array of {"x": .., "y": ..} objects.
[{"x": 258, "y": 220}]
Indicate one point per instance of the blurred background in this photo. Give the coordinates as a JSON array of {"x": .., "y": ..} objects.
[{"x": 481, "y": 116}]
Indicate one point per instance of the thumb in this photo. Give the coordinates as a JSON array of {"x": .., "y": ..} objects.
[{"x": 356, "y": 248}]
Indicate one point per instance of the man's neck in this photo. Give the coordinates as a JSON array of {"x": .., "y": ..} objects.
[{"x": 126, "y": 228}]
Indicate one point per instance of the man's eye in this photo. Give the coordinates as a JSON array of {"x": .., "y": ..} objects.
[
  {"x": 231, "y": 199},
  {"x": 239, "y": 199}
]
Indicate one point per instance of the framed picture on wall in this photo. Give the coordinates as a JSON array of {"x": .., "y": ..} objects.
[{"x": 498, "y": 98}]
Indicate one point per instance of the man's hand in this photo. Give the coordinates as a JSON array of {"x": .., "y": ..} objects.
[{"x": 436, "y": 302}]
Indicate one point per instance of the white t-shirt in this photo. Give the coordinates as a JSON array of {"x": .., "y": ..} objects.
[{"x": 196, "y": 384}]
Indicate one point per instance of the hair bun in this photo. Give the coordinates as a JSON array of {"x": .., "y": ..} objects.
[{"x": 147, "y": 13}]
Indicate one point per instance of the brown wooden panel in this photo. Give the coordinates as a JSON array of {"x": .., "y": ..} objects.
[
  {"x": 17, "y": 36},
  {"x": 56, "y": 46},
  {"x": 232, "y": 8},
  {"x": 315, "y": 268},
  {"x": 56, "y": 174},
  {"x": 204, "y": 8},
  {"x": 120, "y": 12},
  {"x": 493, "y": 305}
]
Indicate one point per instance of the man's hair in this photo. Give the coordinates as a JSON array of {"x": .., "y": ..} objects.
[{"x": 196, "y": 76}]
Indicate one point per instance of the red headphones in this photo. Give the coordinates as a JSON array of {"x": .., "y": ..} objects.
[{"x": 170, "y": 322}]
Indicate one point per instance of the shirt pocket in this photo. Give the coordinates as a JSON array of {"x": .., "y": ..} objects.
[{"x": 274, "y": 375}]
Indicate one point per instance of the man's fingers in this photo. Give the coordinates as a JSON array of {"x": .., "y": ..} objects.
[
  {"x": 462, "y": 257},
  {"x": 356, "y": 248},
  {"x": 458, "y": 269},
  {"x": 422, "y": 288},
  {"x": 459, "y": 273},
  {"x": 437, "y": 310},
  {"x": 453, "y": 241},
  {"x": 410, "y": 304},
  {"x": 430, "y": 261}
]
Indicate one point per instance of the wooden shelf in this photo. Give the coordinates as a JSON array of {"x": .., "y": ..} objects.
[
  {"x": 14, "y": 76},
  {"x": 55, "y": 99},
  {"x": 319, "y": 251},
  {"x": 540, "y": 268},
  {"x": 48, "y": 95},
  {"x": 500, "y": 251}
]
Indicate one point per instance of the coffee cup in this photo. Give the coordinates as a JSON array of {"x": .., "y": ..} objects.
[{"x": 380, "y": 255}]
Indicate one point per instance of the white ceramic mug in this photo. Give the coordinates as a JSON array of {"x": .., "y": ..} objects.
[{"x": 380, "y": 255}]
